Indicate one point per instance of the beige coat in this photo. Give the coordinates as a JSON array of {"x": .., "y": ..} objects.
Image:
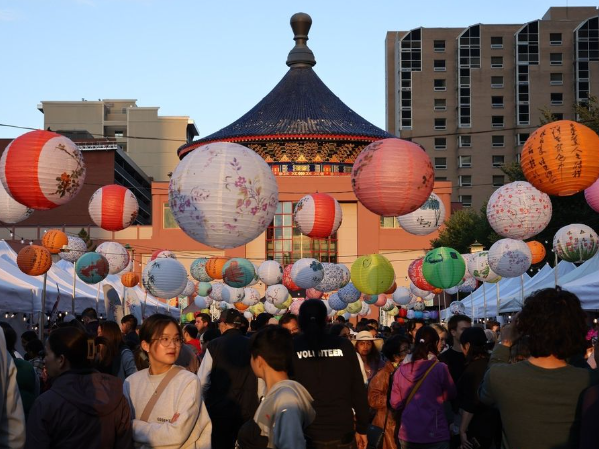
[{"x": 377, "y": 399}]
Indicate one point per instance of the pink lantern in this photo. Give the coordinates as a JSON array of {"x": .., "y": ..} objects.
[
  {"x": 378, "y": 185},
  {"x": 381, "y": 301},
  {"x": 318, "y": 215},
  {"x": 591, "y": 194},
  {"x": 416, "y": 276},
  {"x": 312, "y": 293},
  {"x": 113, "y": 207}
]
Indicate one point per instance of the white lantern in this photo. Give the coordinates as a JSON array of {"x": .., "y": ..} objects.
[
  {"x": 256, "y": 278},
  {"x": 10, "y": 210},
  {"x": 217, "y": 291},
  {"x": 117, "y": 256},
  {"x": 468, "y": 285},
  {"x": 336, "y": 303},
  {"x": 307, "y": 273},
  {"x": 419, "y": 306},
  {"x": 518, "y": 210},
  {"x": 223, "y": 195},
  {"x": 248, "y": 315},
  {"x": 76, "y": 248},
  {"x": 334, "y": 276},
  {"x": 189, "y": 289},
  {"x": 251, "y": 296},
  {"x": 270, "y": 272},
  {"x": 418, "y": 291},
  {"x": 576, "y": 243},
  {"x": 426, "y": 219},
  {"x": 509, "y": 258},
  {"x": 165, "y": 278},
  {"x": 232, "y": 294},
  {"x": 349, "y": 293},
  {"x": 452, "y": 290},
  {"x": 457, "y": 308},
  {"x": 401, "y": 296},
  {"x": 276, "y": 294},
  {"x": 318, "y": 215},
  {"x": 270, "y": 308},
  {"x": 200, "y": 302},
  {"x": 365, "y": 310},
  {"x": 478, "y": 267}
]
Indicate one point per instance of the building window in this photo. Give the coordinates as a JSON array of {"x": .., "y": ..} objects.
[
  {"x": 440, "y": 104},
  {"x": 441, "y": 162},
  {"x": 498, "y": 141},
  {"x": 465, "y": 162},
  {"x": 390, "y": 223},
  {"x": 555, "y": 58},
  {"x": 518, "y": 156},
  {"x": 285, "y": 243},
  {"x": 119, "y": 134},
  {"x": 440, "y": 85},
  {"x": 558, "y": 115},
  {"x": 465, "y": 180},
  {"x": 466, "y": 200},
  {"x": 523, "y": 114},
  {"x": 497, "y": 62},
  {"x": 496, "y": 42},
  {"x": 498, "y": 160},
  {"x": 557, "y": 79},
  {"x": 439, "y": 65},
  {"x": 497, "y": 121},
  {"x": 440, "y": 143},
  {"x": 497, "y": 82},
  {"x": 168, "y": 220},
  {"x": 522, "y": 137},
  {"x": 557, "y": 98},
  {"x": 440, "y": 123},
  {"x": 439, "y": 46},
  {"x": 464, "y": 141},
  {"x": 440, "y": 178},
  {"x": 497, "y": 102},
  {"x": 498, "y": 180},
  {"x": 555, "y": 38}
]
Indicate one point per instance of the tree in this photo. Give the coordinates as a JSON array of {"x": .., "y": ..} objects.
[{"x": 83, "y": 235}]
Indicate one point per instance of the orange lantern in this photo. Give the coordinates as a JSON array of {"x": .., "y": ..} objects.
[
  {"x": 34, "y": 260},
  {"x": 561, "y": 158},
  {"x": 54, "y": 240},
  {"x": 130, "y": 279},
  {"x": 240, "y": 306},
  {"x": 214, "y": 266},
  {"x": 537, "y": 250}
]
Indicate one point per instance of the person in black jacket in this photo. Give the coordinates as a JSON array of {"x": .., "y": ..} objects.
[
  {"x": 327, "y": 366},
  {"x": 229, "y": 385}
]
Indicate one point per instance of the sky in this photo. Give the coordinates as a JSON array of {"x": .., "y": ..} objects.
[{"x": 211, "y": 61}]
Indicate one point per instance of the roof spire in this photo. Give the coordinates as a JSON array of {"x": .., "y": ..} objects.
[{"x": 301, "y": 55}]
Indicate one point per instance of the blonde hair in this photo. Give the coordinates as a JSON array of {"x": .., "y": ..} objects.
[{"x": 439, "y": 328}]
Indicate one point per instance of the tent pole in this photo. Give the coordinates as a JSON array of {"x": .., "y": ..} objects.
[
  {"x": 98, "y": 299},
  {"x": 43, "y": 311},
  {"x": 555, "y": 269},
  {"x": 498, "y": 300},
  {"x": 485, "y": 300},
  {"x": 74, "y": 284},
  {"x": 522, "y": 287}
]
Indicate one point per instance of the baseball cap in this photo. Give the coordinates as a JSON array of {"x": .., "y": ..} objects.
[{"x": 231, "y": 316}]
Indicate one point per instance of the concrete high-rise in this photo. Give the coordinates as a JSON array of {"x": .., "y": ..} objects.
[{"x": 471, "y": 96}]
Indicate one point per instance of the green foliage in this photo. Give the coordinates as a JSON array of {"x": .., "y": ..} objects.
[
  {"x": 83, "y": 235},
  {"x": 513, "y": 171}
]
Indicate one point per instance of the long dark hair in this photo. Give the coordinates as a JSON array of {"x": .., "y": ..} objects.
[
  {"x": 479, "y": 346},
  {"x": 110, "y": 344},
  {"x": 374, "y": 356},
  {"x": 73, "y": 344},
  {"x": 312, "y": 321},
  {"x": 426, "y": 341}
]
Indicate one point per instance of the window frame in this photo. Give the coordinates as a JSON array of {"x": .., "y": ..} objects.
[
  {"x": 461, "y": 181},
  {"x": 556, "y": 102},
  {"x": 556, "y": 63},
  {"x": 559, "y": 82},
  {"x": 555, "y": 42},
  {"x": 497, "y": 164},
  {"x": 496, "y": 46},
  {"x": 465, "y": 164},
  {"x": 440, "y": 146},
  {"x": 502, "y": 180},
  {"x": 497, "y": 125},
  {"x": 497, "y": 85},
  {"x": 498, "y": 145},
  {"x": 438, "y": 49},
  {"x": 440, "y": 166},
  {"x": 441, "y": 88},
  {"x": 440, "y": 108},
  {"x": 440, "y": 127},
  {"x": 465, "y": 204},
  {"x": 461, "y": 144},
  {"x": 496, "y": 65},
  {"x": 439, "y": 69}
]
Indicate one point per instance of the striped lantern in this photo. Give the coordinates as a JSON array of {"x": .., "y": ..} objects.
[
  {"x": 76, "y": 248},
  {"x": 575, "y": 243},
  {"x": 372, "y": 274},
  {"x": 443, "y": 267},
  {"x": 349, "y": 293},
  {"x": 318, "y": 215},
  {"x": 92, "y": 268},
  {"x": 198, "y": 270},
  {"x": 537, "y": 250},
  {"x": 42, "y": 170},
  {"x": 509, "y": 258},
  {"x": 307, "y": 273},
  {"x": 426, "y": 219},
  {"x": 113, "y": 207},
  {"x": 238, "y": 272},
  {"x": 116, "y": 254},
  {"x": 478, "y": 267},
  {"x": 54, "y": 240},
  {"x": 165, "y": 278},
  {"x": 34, "y": 260},
  {"x": 270, "y": 272},
  {"x": 10, "y": 210}
]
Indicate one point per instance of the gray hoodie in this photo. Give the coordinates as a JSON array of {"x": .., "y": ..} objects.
[{"x": 284, "y": 413}]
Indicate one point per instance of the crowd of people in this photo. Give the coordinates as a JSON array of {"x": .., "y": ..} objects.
[{"x": 304, "y": 382}]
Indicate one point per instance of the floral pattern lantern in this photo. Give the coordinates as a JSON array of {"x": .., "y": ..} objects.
[
  {"x": 365, "y": 310},
  {"x": 76, "y": 248},
  {"x": 92, "y": 268},
  {"x": 457, "y": 308},
  {"x": 561, "y": 158},
  {"x": 401, "y": 296},
  {"x": 518, "y": 210},
  {"x": 204, "y": 288},
  {"x": 113, "y": 207},
  {"x": 416, "y": 276},
  {"x": 54, "y": 240},
  {"x": 165, "y": 278},
  {"x": 189, "y": 289},
  {"x": 575, "y": 243},
  {"x": 334, "y": 276},
  {"x": 217, "y": 291},
  {"x": 509, "y": 258},
  {"x": 349, "y": 293},
  {"x": 376, "y": 183},
  {"x": 198, "y": 270},
  {"x": 345, "y": 275},
  {"x": 537, "y": 250},
  {"x": 372, "y": 274},
  {"x": 336, "y": 303},
  {"x": 318, "y": 215},
  {"x": 130, "y": 280},
  {"x": 251, "y": 296},
  {"x": 418, "y": 292},
  {"x": 215, "y": 265},
  {"x": 288, "y": 281},
  {"x": 42, "y": 170},
  {"x": 312, "y": 293},
  {"x": 276, "y": 294},
  {"x": 232, "y": 294},
  {"x": 307, "y": 273},
  {"x": 163, "y": 254},
  {"x": 223, "y": 195},
  {"x": 238, "y": 272},
  {"x": 10, "y": 210},
  {"x": 270, "y": 272},
  {"x": 468, "y": 285},
  {"x": 116, "y": 255},
  {"x": 443, "y": 267},
  {"x": 34, "y": 260},
  {"x": 426, "y": 219},
  {"x": 591, "y": 194},
  {"x": 478, "y": 267}
]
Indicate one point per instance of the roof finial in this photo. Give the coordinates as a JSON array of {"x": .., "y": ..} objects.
[{"x": 301, "y": 55}]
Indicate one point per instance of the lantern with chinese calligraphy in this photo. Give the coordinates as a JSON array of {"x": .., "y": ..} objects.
[
  {"x": 376, "y": 183},
  {"x": 214, "y": 266},
  {"x": 10, "y": 210},
  {"x": 42, "y": 170},
  {"x": 426, "y": 219},
  {"x": 238, "y": 272},
  {"x": 401, "y": 296},
  {"x": 164, "y": 278},
  {"x": 509, "y": 258},
  {"x": 349, "y": 293},
  {"x": 478, "y": 267},
  {"x": 537, "y": 250},
  {"x": 53, "y": 240},
  {"x": 518, "y": 210},
  {"x": 318, "y": 215},
  {"x": 116, "y": 255},
  {"x": 34, "y": 260},
  {"x": 287, "y": 280},
  {"x": 575, "y": 243},
  {"x": 372, "y": 274},
  {"x": 443, "y": 267},
  {"x": 416, "y": 276},
  {"x": 198, "y": 270},
  {"x": 113, "y": 207},
  {"x": 92, "y": 268},
  {"x": 561, "y": 158}
]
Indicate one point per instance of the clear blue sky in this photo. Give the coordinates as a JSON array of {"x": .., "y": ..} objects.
[{"x": 212, "y": 60}]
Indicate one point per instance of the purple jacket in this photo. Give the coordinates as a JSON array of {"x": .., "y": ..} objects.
[{"x": 423, "y": 421}]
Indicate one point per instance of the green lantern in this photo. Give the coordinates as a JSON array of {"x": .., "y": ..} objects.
[
  {"x": 238, "y": 272},
  {"x": 204, "y": 288},
  {"x": 443, "y": 267},
  {"x": 372, "y": 274},
  {"x": 286, "y": 304},
  {"x": 354, "y": 307}
]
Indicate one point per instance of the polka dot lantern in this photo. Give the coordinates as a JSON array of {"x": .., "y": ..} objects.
[
  {"x": 76, "y": 248},
  {"x": 333, "y": 277}
]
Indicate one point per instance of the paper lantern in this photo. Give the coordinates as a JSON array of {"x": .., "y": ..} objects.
[
  {"x": 561, "y": 158},
  {"x": 307, "y": 273},
  {"x": 381, "y": 300},
  {"x": 537, "y": 250},
  {"x": 370, "y": 299},
  {"x": 318, "y": 215},
  {"x": 42, "y": 170},
  {"x": 189, "y": 289},
  {"x": 354, "y": 307},
  {"x": 416, "y": 276},
  {"x": 295, "y": 306},
  {"x": 214, "y": 266},
  {"x": 130, "y": 279},
  {"x": 419, "y": 305},
  {"x": 410, "y": 314},
  {"x": 372, "y": 274},
  {"x": 478, "y": 267},
  {"x": 457, "y": 308},
  {"x": 434, "y": 315},
  {"x": 10, "y": 210},
  {"x": 418, "y": 314},
  {"x": 198, "y": 270},
  {"x": 336, "y": 303},
  {"x": 378, "y": 185},
  {"x": 270, "y": 308},
  {"x": 346, "y": 275},
  {"x": 591, "y": 194},
  {"x": 75, "y": 248},
  {"x": 285, "y": 304},
  {"x": 418, "y": 292},
  {"x": 276, "y": 294},
  {"x": 401, "y": 296},
  {"x": 270, "y": 272},
  {"x": 53, "y": 240},
  {"x": 217, "y": 291},
  {"x": 204, "y": 288},
  {"x": 116, "y": 254},
  {"x": 468, "y": 285},
  {"x": 391, "y": 289},
  {"x": 426, "y": 219},
  {"x": 443, "y": 267},
  {"x": 256, "y": 278},
  {"x": 403, "y": 312},
  {"x": 287, "y": 280},
  {"x": 34, "y": 260},
  {"x": 258, "y": 309},
  {"x": 223, "y": 195},
  {"x": 240, "y": 306},
  {"x": 113, "y": 207},
  {"x": 452, "y": 290},
  {"x": 238, "y": 272},
  {"x": 575, "y": 243},
  {"x": 312, "y": 293},
  {"x": 200, "y": 302},
  {"x": 251, "y": 296},
  {"x": 232, "y": 294},
  {"x": 92, "y": 268},
  {"x": 518, "y": 210},
  {"x": 334, "y": 275},
  {"x": 165, "y": 278},
  {"x": 222, "y": 306},
  {"x": 509, "y": 258},
  {"x": 163, "y": 254}
]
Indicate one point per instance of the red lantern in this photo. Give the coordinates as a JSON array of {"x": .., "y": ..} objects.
[
  {"x": 113, "y": 207},
  {"x": 287, "y": 281},
  {"x": 318, "y": 215},
  {"x": 392, "y": 289},
  {"x": 416, "y": 276},
  {"x": 403, "y": 312}
]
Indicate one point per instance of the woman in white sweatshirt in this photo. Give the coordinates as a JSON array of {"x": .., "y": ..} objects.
[{"x": 175, "y": 421}]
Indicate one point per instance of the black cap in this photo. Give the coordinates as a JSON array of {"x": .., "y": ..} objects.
[{"x": 231, "y": 316}]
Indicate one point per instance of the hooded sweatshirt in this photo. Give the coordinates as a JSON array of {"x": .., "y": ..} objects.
[
  {"x": 423, "y": 421},
  {"x": 84, "y": 408}
]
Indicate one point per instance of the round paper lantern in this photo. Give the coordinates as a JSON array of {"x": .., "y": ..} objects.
[
  {"x": 457, "y": 308},
  {"x": 240, "y": 306},
  {"x": 258, "y": 308},
  {"x": 270, "y": 272},
  {"x": 223, "y": 195},
  {"x": 426, "y": 219},
  {"x": 419, "y": 305},
  {"x": 401, "y": 296},
  {"x": 204, "y": 288},
  {"x": 256, "y": 278},
  {"x": 34, "y": 260},
  {"x": 418, "y": 292},
  {"x": 354, "y": 307},
  {"x": 418, "y": 314},
  {"x": 452, "y": 290},
  {"x": 238, "y": 272},
  {"x": 392, "y": 289},
  {"x": 379, "y": 187},
  {"x": 403, "y": 312},
  {"x": 469, "y": 284},
  {"x": 276, "y": 294},
  {"x": 165, "y": 278},
  {"x": 295, "y": 306},
  {"x": 591, "y": 194},
  {"x": 416, "y": 276},
  {"x": 307, "y": 273},
  {"x": 285, "y": 304},
  {"x": 381, "y": 300},
  {"x": 443, "y": 267},
  {"x": 163, "y": 254},
  {"x": 11, "y": 211},
  {"x": 346, "y": 275},
  {"x": 198, "y": 270},
  {"x": 92, "y": 268},
  {"x": 478, "y": 267},
  {"x": 372, "y": 274},
  {"x": 214, "y": 266},
  {"x": 410, "y": 314},
  {"x": 561, "y": 158},
  {"x": 53, "y": 240},
  {"x": 189, "y": 289},
  {"x": 251, "y": 296},
  {"x": 42, "y": 170},
  {"x": 130, "y": 279},
  {"x": 116, "y": 254},
  {"x": 537, "y": 250},
  {"x": 349, "y": 293},
  {"x": 509, "y": 258},
  {"x": 217, "y": 291},
  {"x": 113, "y": 207},
  {"x": 223, "y": 305},
  {"x": 334, "y": 276},
  {"x": 200, "y": 302},
  {"x": 312, "y": 293},
  {"x": 518, "y": 210},
  {"x": 232, "y": 294},
  {"x": 370, "y": 299},
  {"x": 434, "y": 315},
  {"x": 318, "y": 215},
  {"x": 576, "y": 243},
  {"x": 287, "y": 280},
  {"x": 336, "y": 303},
  {"x": 75, "y": 248}
]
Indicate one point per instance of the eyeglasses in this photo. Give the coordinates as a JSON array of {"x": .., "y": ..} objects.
[{"x": 166, "y": 341}]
